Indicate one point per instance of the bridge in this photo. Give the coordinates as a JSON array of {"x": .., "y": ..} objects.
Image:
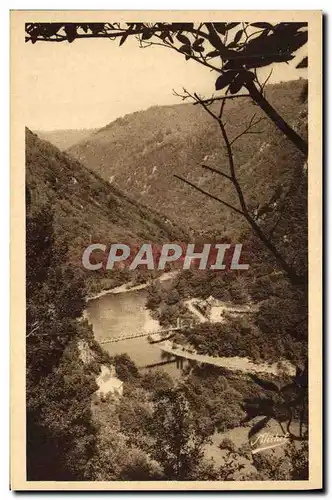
[
  {"x": 134, "y": 336},
  {"x": 180, "y": 323},
  {"x": 176, "y": 359},
  {"x": 179, "y": 326}
]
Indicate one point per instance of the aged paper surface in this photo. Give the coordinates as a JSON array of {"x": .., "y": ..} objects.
[{"x": 163, "y": 388}]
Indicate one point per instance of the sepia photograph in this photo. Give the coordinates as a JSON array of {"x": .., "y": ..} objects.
[{"x": 166, "y": 250}]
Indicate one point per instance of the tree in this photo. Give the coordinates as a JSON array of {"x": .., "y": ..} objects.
[
  {"x": 178, "y": 438},
  {"x": 282, "y": 404},
  {"x": 231, "y": 176},
  {"x": 155, "y": 295},
  {"x": 60, "y": 432},
  {"x": 157, "y": 381},
  {"x": 125, "y": 368},
  {"x": 227, "y": 444},
  {"x": 291, "y": 466}
]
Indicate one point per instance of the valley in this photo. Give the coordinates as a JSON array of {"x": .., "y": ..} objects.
[{"x": 188, "y": 339}]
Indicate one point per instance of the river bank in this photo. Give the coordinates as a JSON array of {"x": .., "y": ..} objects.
[
  {"x": 131, "y": 287},
  {"x": 123, "y": 311},
  {"x": 235, "y": 363}
]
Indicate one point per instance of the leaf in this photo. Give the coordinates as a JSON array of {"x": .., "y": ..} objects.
[
  {"x": 230, "y": 26},
  {"x": 262, "y": 25},
  {"x": 289, "y": 27},
  {"x": 303, "y": 63},
  {"x": 258, "y": 426},
  {"x": 249, "y": 76},
  {"x": 234, "y": 64},
  {"x": 236, "y": 84},
  {"x": 258, "y": 62},
  {"x": 199, "y": 49},
  {"x": 70, "y": 30},
  {"x": 183, "y": 39},
  {"x": 123, "y": 39},
  {"x": 267, "y": 385},
  {"x": 220, "y": 27},
  {"x": 232, "y": 45},
  {"x": 96, "y": 27},
  {"x": 146, "y": 34},
  {"x": 197, "y": 45},
  {"x": 213, "y": 53},
  {"x": 186, "y": 49},
  {"x": 85, "y": 27},
  {"x": 182, "y": 26},
  {"x": 238, "y": 37},
  {"x": 225, "y": 79},
  {"x": 199, "y": 41},
  {"x": 297, "y": 41}
]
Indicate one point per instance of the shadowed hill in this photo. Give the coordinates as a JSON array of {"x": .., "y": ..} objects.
[{"x": 86, "y": 208}]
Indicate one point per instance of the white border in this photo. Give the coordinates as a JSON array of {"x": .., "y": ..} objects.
[{"x": 4, "y": 185}]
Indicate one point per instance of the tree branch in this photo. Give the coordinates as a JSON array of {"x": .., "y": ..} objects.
[
  {"x": 288, "y": 131},
  {"x": 247, "y": 129},
  {"x": 291, "y": 273},
  {"x": 217, "y": 172},
  {"x": 209, "y": 194},
  {"x": 213, "y": 99}
]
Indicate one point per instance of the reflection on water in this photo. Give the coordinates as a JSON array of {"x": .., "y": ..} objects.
[{"x": 114, "y": 315}]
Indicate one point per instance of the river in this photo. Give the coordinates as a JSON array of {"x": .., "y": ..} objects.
[
  {"x": 123, "y": 312},
  {"x": 117, "y": 314}
]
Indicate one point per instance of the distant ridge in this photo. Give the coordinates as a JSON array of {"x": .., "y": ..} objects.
[
  {"x": 141, "y": 152},
  {"x": 64, "y": 139}
]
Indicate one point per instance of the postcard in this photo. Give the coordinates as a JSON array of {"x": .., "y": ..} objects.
[{"x": 166, "y": 250}]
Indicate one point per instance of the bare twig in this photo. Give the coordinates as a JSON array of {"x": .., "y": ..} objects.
[
  {"x": 199, "y": 100},
  {"x": 248, "y": 130},
  {"x": 217, "y": 172},
  {"x": 208, "y": 194},
  {"x": 222, "y": 107},
  {"x": 224, "y": 98},
  {"x": 266, "y": 80}
]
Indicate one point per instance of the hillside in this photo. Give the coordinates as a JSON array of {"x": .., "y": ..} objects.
[
  {"x": 64, "y": 139},
  {"x": 140, "y": 152},
  {"x": 86, "y": 208}
]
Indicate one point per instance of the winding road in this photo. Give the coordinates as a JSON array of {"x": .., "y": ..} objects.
[{"x": 235, "y": 363}]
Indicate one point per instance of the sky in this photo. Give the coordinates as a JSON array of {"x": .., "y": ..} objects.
[{"x": 89, "y": 83}]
